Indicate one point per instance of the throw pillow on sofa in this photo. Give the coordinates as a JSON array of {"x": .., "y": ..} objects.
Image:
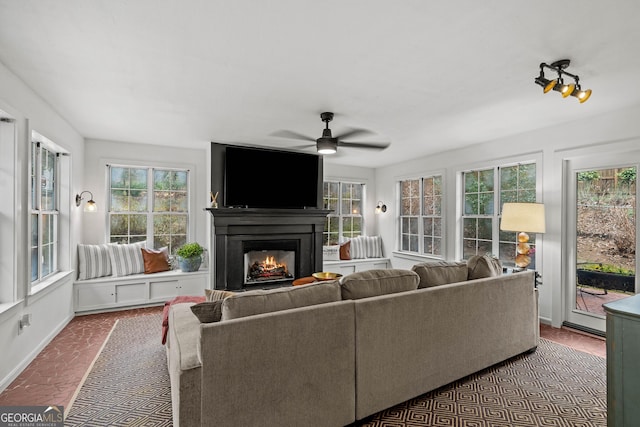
[
  {"x": 436, "y": 273},
  {"x": 376, "y": 282},
  {"x": 481, "y": 266},
  {"x": 210, "y": 310}
]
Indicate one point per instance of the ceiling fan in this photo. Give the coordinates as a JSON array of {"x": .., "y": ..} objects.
[{"x": 328, "y": 144}]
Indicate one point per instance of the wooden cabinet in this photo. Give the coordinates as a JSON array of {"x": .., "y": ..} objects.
[
  {"x": 623, "y": 362},
  {"x": 141, "y": 289}
]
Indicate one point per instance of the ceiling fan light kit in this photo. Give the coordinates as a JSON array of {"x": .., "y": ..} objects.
[
  {"x": 558, "y": 84},
  {"x": 327, "y": 143}
]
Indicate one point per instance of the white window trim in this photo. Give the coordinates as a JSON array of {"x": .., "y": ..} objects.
[
  {"x": 534, "y": 157},
  {"x": 421, "y": 256},
  {"x": 149, "y": 212}
]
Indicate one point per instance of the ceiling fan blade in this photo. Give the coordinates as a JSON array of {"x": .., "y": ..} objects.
[
  {"x": 303, "y": 147},
  {"x": 365, "y": 145},
  {"x": 353, "y": 132},
  {"x": 292, "y": 135}
]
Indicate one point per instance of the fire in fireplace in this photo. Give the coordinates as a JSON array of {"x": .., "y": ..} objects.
[{"x": 268, "y": 265}]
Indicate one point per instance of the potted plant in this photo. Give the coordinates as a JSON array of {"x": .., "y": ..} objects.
[
  {"x": 607, "y": 277},
  {"x": 190, "y": 256}
]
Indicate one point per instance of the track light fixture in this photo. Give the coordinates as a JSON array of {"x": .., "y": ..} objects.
[{"x": 558, "y": 84}]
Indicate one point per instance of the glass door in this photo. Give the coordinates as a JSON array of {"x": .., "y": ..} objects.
[{"x": 602, "y": 232}]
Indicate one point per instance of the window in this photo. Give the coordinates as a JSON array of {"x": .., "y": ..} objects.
[
  {"x": 149, "y": 204},
  {"x": 345, "y": 200},
  {"x": 44, "y": 212},
  {"x": 421, "y": 215},
  {"x": 485, "y": 191}
]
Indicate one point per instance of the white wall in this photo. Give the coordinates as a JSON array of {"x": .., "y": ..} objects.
[
  {"x": 612, "y": 133},
  {"x": 52, "y": 308},
  {"x": 99, "y": 153}
]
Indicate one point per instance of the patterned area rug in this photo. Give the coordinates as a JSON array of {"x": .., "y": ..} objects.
[
  {"x": 556, "y": 386},
  {"x": 128, "y": 384}
]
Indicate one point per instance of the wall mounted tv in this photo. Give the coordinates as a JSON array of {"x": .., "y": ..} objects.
[{"x": 265, "y": 178}]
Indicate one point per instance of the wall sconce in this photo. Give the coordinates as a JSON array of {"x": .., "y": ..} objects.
[
  {"x": 523, "y": 218},
  {"x": 381, "y": 208},
  {"x": 558, "y": 84},
  {"x": 90, "y": 206}
]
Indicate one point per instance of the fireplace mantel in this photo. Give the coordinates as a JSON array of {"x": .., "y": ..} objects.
[{"x": 231, "y": 227}]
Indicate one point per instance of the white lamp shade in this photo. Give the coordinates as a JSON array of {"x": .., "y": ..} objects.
[{"x": 528, "y": 217}]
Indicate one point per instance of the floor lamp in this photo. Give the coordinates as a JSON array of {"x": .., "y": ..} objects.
[{"x": 523, "y": 218}]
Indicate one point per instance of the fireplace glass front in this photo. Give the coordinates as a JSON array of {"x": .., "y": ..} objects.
[{"x": 268, "y": 266}]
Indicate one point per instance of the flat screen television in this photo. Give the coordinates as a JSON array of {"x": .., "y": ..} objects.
[{"x": 265, "y": 178}]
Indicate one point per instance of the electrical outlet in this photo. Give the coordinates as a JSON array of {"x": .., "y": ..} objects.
[{"x": 23, "y": 322}]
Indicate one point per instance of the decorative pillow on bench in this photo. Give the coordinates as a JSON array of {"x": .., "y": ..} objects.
[
  {"x": 93, "y": 261},
  {"x": 361, "y": 247},
  {"x": 155, "y": 261},
  {"x": 127, "y": 259}
]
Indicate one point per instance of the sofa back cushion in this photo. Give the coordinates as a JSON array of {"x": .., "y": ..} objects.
[
  {"x": 434, "y": 273},
  {"x": 266, "y": 301},
  {"x": 372, "y": 283},
  {"x": 481, "y": 266}
]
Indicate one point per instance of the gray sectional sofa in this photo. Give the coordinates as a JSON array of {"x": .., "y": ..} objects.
[{"x": 332, "y": 353}]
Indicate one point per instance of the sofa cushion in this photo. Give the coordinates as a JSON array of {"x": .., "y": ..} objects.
[
  {"x": 208, "y": 311},
  {"x": 481, "y": 266},
  {"x": 185, "y": 328},
  {"x": 376, "y": 282},
  {"x": 266, "y": 301},
  {"x": 216, "y": 294},
  {"x": 434, "y": 273}
]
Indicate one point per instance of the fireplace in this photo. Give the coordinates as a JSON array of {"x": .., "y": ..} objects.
[
  {"x": 244, "y": 237},
  {"x": 269, "y": 261}
]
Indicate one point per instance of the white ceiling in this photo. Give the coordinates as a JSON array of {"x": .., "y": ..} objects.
[{"x": 425, "y": 76}]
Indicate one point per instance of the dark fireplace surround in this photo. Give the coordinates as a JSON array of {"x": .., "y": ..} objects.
[{"x": 238, "y": 230}]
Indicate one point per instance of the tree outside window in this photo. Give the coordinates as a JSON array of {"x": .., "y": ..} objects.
[
  {"x": 421, "y": 215},
  {"x": 148, "y": 204},
  {"x": 346, "y": 220},
  {"x": 44, "y": 212},
  {"x": 485, "y": 191}
]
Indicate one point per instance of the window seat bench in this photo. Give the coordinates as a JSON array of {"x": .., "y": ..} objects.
[
  {"x": 345, "y": 267},
  {"x": 109, "y": 293}
]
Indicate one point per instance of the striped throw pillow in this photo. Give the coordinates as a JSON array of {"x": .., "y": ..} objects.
[
  {"x": 357, "y": 248},
  {"x": 93, "y": 261},
  {"x": 373, "y": 245},
  {"x": 127, "y": 259}
]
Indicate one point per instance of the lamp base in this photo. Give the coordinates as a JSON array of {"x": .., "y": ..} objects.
[{"x": 522, "y": 251}]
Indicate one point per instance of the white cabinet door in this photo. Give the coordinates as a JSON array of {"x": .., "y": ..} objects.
[
  {"x": 131, "y": 293},
  {"x": 95, "y": 296},
  {"x": 164, "y": 290}
]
